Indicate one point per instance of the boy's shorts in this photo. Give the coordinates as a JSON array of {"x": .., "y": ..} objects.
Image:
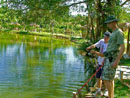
[
  {"x": 98, "y": 74},
  {"x": 108, "y": 73}
]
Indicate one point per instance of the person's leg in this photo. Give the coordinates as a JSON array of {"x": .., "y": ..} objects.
[
  {"x": 98, "y": 76},
  {"x": 98, "y": 91},
  {"x": 108, "y": 75},
  {"x": 104, "y": 89},
  {"x": 99, "y": 83},
  {"x": 110, "y": 87}
]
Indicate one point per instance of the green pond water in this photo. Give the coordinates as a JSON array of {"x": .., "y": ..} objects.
[{"x": 39, "y": 67}]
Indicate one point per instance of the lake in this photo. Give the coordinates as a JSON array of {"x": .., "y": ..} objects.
[{"x": 39, "y": 67}]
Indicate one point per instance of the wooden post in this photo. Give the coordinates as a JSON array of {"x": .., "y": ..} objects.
[{"x": 121, "y": 75}]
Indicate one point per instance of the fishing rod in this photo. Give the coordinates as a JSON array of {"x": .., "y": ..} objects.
[{"x": 79, "y": 90}]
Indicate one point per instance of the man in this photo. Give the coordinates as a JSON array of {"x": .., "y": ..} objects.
[
  {"x": 102, "y": 44},
  {"x": 112, "y": 55}
]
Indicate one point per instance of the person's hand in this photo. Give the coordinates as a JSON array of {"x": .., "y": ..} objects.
[
  {"x": 92, "y": 51},
  {"x": 103, "y": 62},
  {"x": 88, "y": 48},
  {"x": 115, "y": 64}
]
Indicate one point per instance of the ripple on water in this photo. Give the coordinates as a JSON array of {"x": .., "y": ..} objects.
[{"x": 28, "y": 72}]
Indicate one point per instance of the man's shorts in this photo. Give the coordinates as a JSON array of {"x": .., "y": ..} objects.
[
  {"x": 98, "y": 74},
  {"x": 108, "y": 73}
]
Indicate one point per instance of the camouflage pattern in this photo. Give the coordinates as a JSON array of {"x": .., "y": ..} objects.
[
  {"x": 108, "y": 72},
  {"x": 116, "y": 39}
]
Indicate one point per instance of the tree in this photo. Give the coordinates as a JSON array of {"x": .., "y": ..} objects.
[{"x": 44, "y": 12}]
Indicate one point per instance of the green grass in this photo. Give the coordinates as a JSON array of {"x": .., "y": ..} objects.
[
  {"x": 125, "y": 62},
  {"x": 121, "y": 91},
  {"x": 45, "y": 34}
]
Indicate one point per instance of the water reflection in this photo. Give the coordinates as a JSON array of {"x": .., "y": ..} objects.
[{"x": 39, "y": 71}]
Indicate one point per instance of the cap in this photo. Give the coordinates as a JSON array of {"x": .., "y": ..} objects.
[
  {"x": 111, "y": 19},
  {"x": 107, "y": 34}
]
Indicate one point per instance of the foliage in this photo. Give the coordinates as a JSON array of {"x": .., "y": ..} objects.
[
  {"x": 54, "y": 15},
  {"x": 84, "y": 44},
  {"x": 125, "y": 62}
]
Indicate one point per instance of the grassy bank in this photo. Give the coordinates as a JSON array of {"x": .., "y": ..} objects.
[
  {"x": 35, "y": 41},
  {"x": 125, "y": 62},
  {"x": 45, "y": 34},
  {"x": 121, "y": 90}
]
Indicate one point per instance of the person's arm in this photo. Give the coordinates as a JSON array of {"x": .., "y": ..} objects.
[
  {"x": 91, "y": 47},
  {"x": 97, "y": 53},
  {"x": 116, "y": 62},
  {"x": 94, "y": 45}
]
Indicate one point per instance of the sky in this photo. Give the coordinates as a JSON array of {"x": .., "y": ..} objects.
[{"x": 73, "y": 8}]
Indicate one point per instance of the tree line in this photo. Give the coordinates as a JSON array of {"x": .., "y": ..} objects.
[{"x": 54, "y": 16}]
